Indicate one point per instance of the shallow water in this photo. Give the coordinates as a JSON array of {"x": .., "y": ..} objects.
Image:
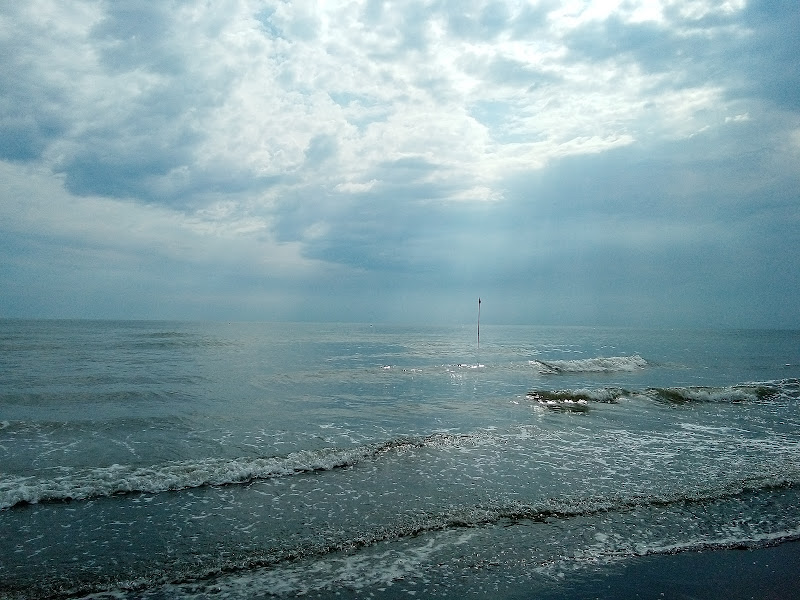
[{"x": 246, "y": 460}]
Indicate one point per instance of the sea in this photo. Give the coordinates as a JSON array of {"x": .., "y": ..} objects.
[{"x": 155, "y": 459}]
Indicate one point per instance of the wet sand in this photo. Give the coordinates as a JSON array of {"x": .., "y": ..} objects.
[
  {"x": 763, "y": 574},
  {"x": 771, "y": 573}
]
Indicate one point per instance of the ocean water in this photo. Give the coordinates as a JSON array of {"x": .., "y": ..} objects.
[{"x": 247, "y": 460}]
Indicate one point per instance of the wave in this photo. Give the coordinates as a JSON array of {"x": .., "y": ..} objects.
[
  {"x": 608, "y": 550},
  {"x": 762, "y": 540},
  {"x": 701, "y": 394},
  {"x": 589, "y": 365},
  {"x": 757, "y": 392},
  {"x": 84, "y": 484},
  {"x": 219, "y": 572},
  {"x": 546, "y": 511},
  {"x": 116, "y": 480},
  {"x": 392, "y": 566},
  {"x": 582, "y": 395}
]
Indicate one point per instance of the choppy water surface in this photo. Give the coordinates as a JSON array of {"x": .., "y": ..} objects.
[{"x": 183, "y": 459}]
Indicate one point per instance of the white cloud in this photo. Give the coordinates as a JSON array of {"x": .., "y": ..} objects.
[
  {"x": 249, "y": 136},
  {"x": 255, "y": 85},
  {"x": 355, "y": 187},
  {"x": 738, "y": 118}
]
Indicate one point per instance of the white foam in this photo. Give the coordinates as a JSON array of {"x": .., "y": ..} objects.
[
  {"x": 739, "y": 393},
  {"x": 612, "y": 548},
  {"x": 373, "y": 568},
  {"x": 82, "y": 484},
  {"x": 599, "y": 394},
  {"x": 118, "y": 479},
  {"x": 590, "y": 365}
]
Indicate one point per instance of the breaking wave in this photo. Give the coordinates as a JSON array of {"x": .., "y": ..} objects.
[
  {"x": 738, "y": 393},
  {"x": 608, "y": 395},
  {"x": 126, "y": 479},
  {"x": 589, "y": 365},
  {"x": 239, "y": 573},
  {"x": 670, "y": 395},
  {"x": 83, "y": 484}
]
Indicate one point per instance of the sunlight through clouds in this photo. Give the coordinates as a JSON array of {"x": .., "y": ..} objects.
[{"x": 363, "y": 138}]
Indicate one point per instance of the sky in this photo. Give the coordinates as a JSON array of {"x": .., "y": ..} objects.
[{"x": 621, "y": 163}]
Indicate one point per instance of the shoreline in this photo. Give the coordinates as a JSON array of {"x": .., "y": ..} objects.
[
  {"x": 771, "y": 572},
  {"x": 763, "y": 573}
]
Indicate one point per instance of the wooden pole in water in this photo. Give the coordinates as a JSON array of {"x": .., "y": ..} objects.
[{"x": 479, "y": 322}]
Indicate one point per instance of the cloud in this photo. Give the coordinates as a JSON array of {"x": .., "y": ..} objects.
[
  {"x": 100, "y": 251},
  {"x": 477, "y": 21},
  {"x": 134, "y": 35},
  {"x": 591, "y": 156},
  {"x": 768, "y": 66}
]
